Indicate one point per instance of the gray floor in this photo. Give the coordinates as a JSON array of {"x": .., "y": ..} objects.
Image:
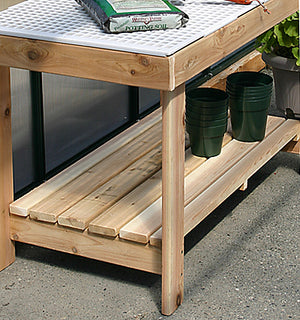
[{"x": 240, "y": 263}]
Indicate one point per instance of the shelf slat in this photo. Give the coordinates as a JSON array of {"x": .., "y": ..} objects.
[
  {"x": 127, "y": 202},
  {"x": 50, "y": 208},
  {"x": 145, "y": 224},
  {"x": 233, "y": 178},
  {"x": 79, "y": 215},
  {"x": 113, "y": 219},
  {"x": 22, "y": 205}
]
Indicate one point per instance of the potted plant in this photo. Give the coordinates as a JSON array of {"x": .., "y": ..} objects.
[{"x": 280, "y": 50}]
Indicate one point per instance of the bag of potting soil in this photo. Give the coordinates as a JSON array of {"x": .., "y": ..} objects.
[{"x": 134, "y": 15}]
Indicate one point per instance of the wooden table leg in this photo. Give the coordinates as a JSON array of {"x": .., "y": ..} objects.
[
  {"x": 7, "y": 251},
  {"x": 172, "y": 198},
  {"x": 294, "y": 145}
]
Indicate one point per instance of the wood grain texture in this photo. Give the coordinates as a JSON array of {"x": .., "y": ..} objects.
[
  {"x": 242, "y": 171},
  {"x": 7, "y": 252},
  {"x": 22, "y": 205},
  {"x": 250, "y": 62},
  {"x": 145, "y": 224},
  {"x": 124, "y": 253},
  {"x": 173, "y": 106},
  {"x": 79, "y": 215},
  {"x": 230, "y": 181},
  {"x": 91, "y": 63},
  {"x": 189, "y": 61},
  {"x": 164, "y": 73},
  {"x": 149, "y": 220},
  {"x": 51, "y": 207},
  {"x": 112, "y": 220},
  {"x": 294, "y": 145}
]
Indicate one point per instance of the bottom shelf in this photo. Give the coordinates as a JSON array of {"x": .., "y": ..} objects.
[{"x": 107, "y": 206}]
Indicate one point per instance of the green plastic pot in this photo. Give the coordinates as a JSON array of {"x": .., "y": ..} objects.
[
  {"x": 248, "y": 126},
  {"x": 206, "y": 98},
  {"x": 205, "y": 147},
  {"x": 249, "y": 91},
  {"x": 254, "y": 91},
  {"x": 245, "y": 104},
  {"x": 206, "y": 111},
  {"x": 206, "y": 123},
  {"x": 248, "y": 95},
  {"x": 249, "y": 81},
  {"x": 206, "y": 131},
  {"x": 249, "y": 100},
  {"x": 205, "y": 116}
]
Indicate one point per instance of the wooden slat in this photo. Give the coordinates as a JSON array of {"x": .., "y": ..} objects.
[
  {"x": 145, "y": 224},
  {"x": 79, "y": 215},
  {"x": 250, "y": 62},
  {"x": 173, "y": 106},
  {"x": 221, "y": 189},
  {"x": 21, "y": 206},
  {"x": 243, "y": 170},
  {"x": 50, "y": 208},
  {"x": 7, "y": 252},
  {"x": 293, "y": 146},
  {"x": 91, "y": 63},
  {"x": 112, "y": 220},
  {"x": 124, "y": 253},
  {"x": 189, "y": 61},
  {"x": 112, "y": 223},
  {"x": 155, "y": 239}
]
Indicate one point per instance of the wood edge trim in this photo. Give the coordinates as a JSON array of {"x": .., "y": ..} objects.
[
  {"x": 111, "y": 250},
  {"x": 255, "y": 14}
]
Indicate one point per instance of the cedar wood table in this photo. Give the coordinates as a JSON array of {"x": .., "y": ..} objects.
[{"x": 168, "y": 74}]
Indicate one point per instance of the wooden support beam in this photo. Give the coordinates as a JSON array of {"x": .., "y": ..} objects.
[
  {"x": 189, "y": 61},
  {"x": 111, "y": 250},
  {"x": 7, "y": 252},
  {"x": 294, "y": 145},
  {"x": 172, "y": 198},
  {"x": 91, "y": 63},
  {"x": 250, "y": 62}
]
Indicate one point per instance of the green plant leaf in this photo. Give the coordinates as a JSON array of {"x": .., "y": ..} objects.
[
  {"x": 295, "y": 52},
  {"x": 291, "y": 28},
  {"x": 265, "y": 37},
  {"x": 294, "y": 16},
  {"x": 283, "y": 39},
  {"x": 266, "y": 41}
]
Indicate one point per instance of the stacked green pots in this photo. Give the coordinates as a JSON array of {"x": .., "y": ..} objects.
[
  {"x": 206, "y": 120},
  {"x": 249, "y": 99}
]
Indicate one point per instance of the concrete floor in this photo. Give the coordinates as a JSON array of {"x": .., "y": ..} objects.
[{"x": 240, "y": 263}]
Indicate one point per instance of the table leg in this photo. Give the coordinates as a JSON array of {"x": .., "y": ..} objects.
[
  {"x": 294, "y": 145},
  {"x": 7, "y": 251},
  {"x": 172, "y": 198}
]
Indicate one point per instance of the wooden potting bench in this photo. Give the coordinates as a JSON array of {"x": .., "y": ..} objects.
[{"x": 132, "y": 201}]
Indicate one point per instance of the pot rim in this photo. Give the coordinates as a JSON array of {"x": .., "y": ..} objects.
[{"x": 280, "y": 62}]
